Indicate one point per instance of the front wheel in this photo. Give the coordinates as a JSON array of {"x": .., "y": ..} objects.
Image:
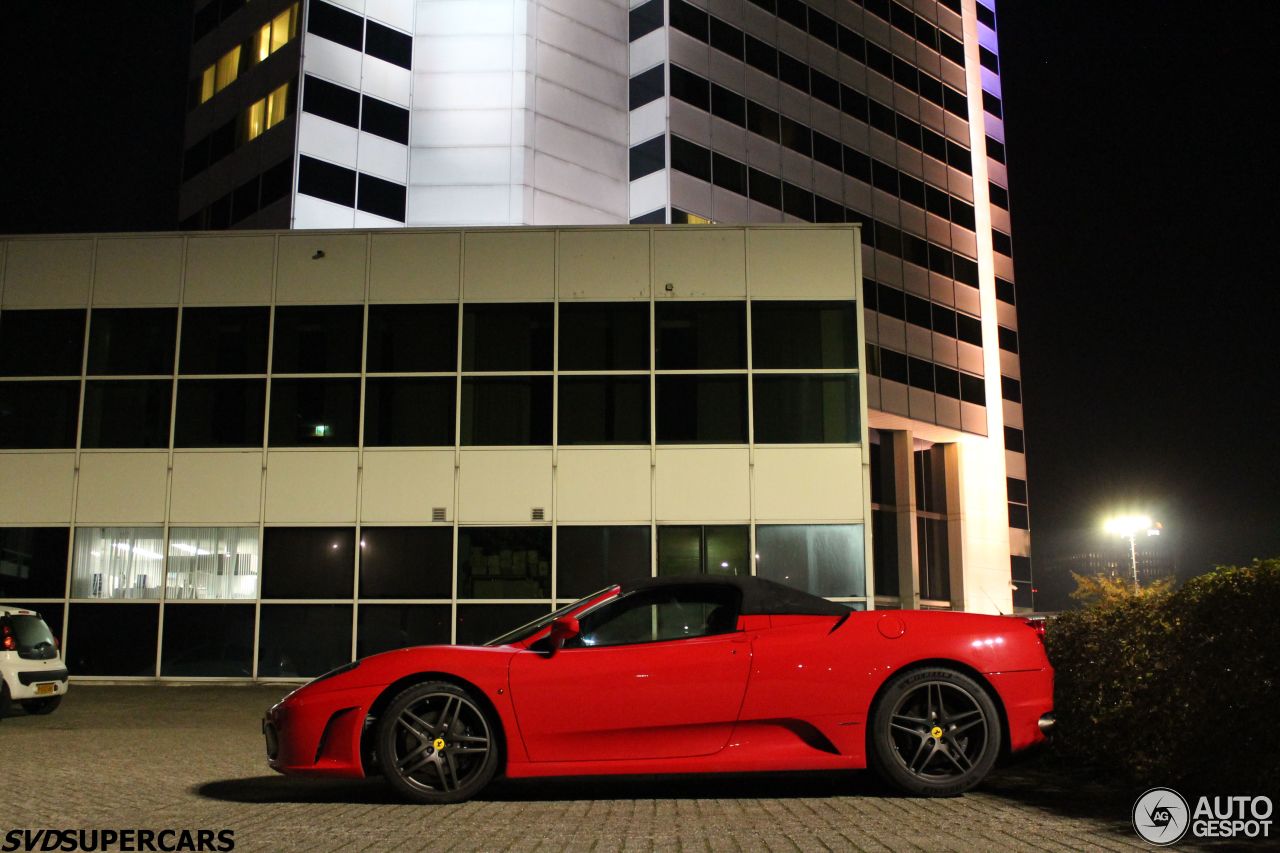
[
  {"x": 42, "y": 706},
  {"x": 935, "y": 733},
  {"x": 437, "y": 743}
]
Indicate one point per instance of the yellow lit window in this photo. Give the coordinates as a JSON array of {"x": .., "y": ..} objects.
[
  {"x": 276, "y": 103},
  {"x": 228, "y": 67},
  {"x": 282, "y": 27},
  {"x": 262, "y": 43},
  {"x": 206, "y": 84},
  {"x": 695, "y": 219},
  {"x": 254, "y": 120}
]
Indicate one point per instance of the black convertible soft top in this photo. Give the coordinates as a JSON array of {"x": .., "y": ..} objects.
[{"x": 759, "y": 596}]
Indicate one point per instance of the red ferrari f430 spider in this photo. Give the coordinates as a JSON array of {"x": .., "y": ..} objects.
[{"x": 687, "y": 675}]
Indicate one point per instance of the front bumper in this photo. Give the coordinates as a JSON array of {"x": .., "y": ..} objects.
[{"x": 318, "y": 733}]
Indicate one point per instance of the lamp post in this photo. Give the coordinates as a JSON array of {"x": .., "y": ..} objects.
[{"x": 1128, "y": 527}]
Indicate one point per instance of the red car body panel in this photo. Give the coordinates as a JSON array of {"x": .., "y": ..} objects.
[{"x": 780, "y": 693}]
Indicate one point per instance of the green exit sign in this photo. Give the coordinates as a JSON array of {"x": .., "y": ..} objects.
[{"x": 321, "y": 430}]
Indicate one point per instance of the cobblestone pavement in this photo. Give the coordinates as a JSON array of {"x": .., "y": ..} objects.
[{"x": 192, "y": 757}]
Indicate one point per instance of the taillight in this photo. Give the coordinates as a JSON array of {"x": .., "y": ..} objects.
[
  {"x": 1036, "y": 625},
  {"x": 8, "y": 643}
]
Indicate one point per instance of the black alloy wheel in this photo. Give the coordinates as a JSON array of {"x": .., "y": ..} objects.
[
  {"x": 437, "y": 744},
  {"x": 934, "y": 732},
  {"x": 47, "y": 705}
]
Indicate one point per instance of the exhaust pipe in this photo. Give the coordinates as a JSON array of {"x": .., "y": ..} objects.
[{"x": 1046, "y": 723}]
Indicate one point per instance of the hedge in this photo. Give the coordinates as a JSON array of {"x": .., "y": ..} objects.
[{"x": 1176, "y": 687}]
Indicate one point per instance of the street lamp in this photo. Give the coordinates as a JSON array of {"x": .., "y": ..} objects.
[{"x": 1129, "y": 526}]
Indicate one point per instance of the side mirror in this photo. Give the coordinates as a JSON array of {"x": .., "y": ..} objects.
[{"x": 564, "y": 628}]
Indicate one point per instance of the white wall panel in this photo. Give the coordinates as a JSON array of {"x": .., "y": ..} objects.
[
  {"x": 603, "y": 485},
  {"x": 509, "y": 265},
  {"x": 809, "y": 484},
  {"x": 216, "y": 488},
  {"x": 310, "y": 212},
  {"x": 566, "y": 178},
  {"x": 431, "y": 128},
  {"x": 604, "y": 264},
  {"x": 122, "y": 487},
  {"x": 37, "y": 487},
  {"x": 648, "y": 121},
  {"x": 699, "y": 484},
  {"x": 414, "y": 266},
  {"x": 503, "y": 485},
  {"x": 491, "y": 90},
  {"x": 383, "y": 158},
  {"x": 574, "y": 108},
  {"x": 458, "y": 205},
  {"x": 456, "y": 54},
  {"x": 336, "y": 277},
  {"x": 229, "y": 270},
  {"x": 311, "y": 486},
  {"x": 405, "y": 485},
  {"x": 700, "y": 261},
  {"x": 396, "y": 13},
  {"x": 332, "y": 61},
  {"x": 462, "y": 17},
  {"x": 647, "y": 51},
  {"x": 137, "y": 271},
  {"x": 460, "y": 166},
  {"x": 648, "y": 193},
  {"x": 327, "y": 140},
  {"x": 389, "y": 82},
  {"x": 47, "y": 273}
]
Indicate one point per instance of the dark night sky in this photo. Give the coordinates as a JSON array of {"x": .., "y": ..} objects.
[{"x": 1143, "y": 190}]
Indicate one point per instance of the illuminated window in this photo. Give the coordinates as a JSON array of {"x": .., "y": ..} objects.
[
  {"x": 253, "y": 120},
  {"x": 276, "y": 103},
  {"x": 269, "y": 38},
  {"x": 267, "y": 113},
  {"x": 206, "y": 84},
  {"x": 228, "y": 67}
]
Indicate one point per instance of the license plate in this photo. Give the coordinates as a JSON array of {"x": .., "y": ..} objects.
[{"x": 45, "y": 689}]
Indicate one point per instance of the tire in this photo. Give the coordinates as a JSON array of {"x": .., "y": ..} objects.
[
  {"x": 42, "y": 706},
  {"x": 438, "y": 743},
  {"x": 934, "y": 733},
  {"x": 4, "y": 699}
]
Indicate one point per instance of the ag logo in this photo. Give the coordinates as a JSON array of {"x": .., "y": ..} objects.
[{"x": 1160, "y": 816}]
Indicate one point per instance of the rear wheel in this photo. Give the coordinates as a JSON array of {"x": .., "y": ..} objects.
[
  {"x": 4, "y": 699},
  {"x": 437, "y": 743},
  {"x": 935, "y": 732},
  {"x": 47, "y": 705}
]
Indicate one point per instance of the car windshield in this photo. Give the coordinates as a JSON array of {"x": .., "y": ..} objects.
[
  {"x": 31, "y": 634},
  {"x": 528, "y": 630}
]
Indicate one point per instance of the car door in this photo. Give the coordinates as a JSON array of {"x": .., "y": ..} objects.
[{"x": 659, "y": 673}]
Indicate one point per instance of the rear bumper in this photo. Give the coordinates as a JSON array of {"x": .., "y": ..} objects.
[
  {"x": 1028, "y": 705},
  {"x": 36, "y": 683}
]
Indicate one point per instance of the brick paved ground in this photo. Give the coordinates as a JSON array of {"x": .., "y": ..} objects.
[{"x": 192, "y": 757}]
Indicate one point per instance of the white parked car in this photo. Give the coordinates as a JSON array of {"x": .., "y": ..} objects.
[{"x": 31, "y": 671}]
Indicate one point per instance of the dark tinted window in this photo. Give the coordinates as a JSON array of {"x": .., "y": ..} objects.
[
  {"x": 797, "y": 201},
  {"x": 1019, "y": 517},
  {"x": 478, "y": 623},
  {"x": 133, "y": 413},
  {"x": 408, "y": 412},
  {"x": 823, "y": 28},
  {"x": 592, "y": 558},
  {"x": 712, "y": 549},
  {"x": 1005, "y": 291},
  {"x": 604, "y": 410},
  {"x": 690, "y": 158},
  {"x": 973, "y": 389},
  {"x": 794, "y": 135},
  {"x": 506, "y": 410},
  {"x": 335, "y": 24},
  {"x": 380, "y": 197},
  {"x": 688, "y": 19},
  {"x": 729, "y": 174},
  {"x": 702, "y": 409},
  {"x": 1017, "y": 489},
  {"x": 728, "y": 105},
  {"x": 1011, "y": 389},
  {"x": 1008, "y": 338},
  {"x": 806, "y": 409},
  {"x": 132, "y": 340},
  {"x": 328, "y": 100},
  {"x": 793, "y": 12},
  {"x": 112, "y": 639},
  {"x": 406, "y": 562},
  {"x": 412, "y": 338},
  {"x": 648, "y": 157},
  {"x": 804, "y": 334},
  {"x": 514, "y": 336},
  {"x": 946, "y": 381},
  {"x": 920, "y": 373},
  {"x": 277, "y": 182},
  {"x": 41, "y": 343},
  {"x": 604, "y": 336},
  {"x": 33, "y": 562},
  {"x": 220, "y": 413},
  {"x": 303, "y": 640},
  {"x": 1014, "y": 439},
  {"x": 827, "y": 151},
  {"x": 885, "y": 553},
  {"x": 308, "y": 562},
  {"x": 762, "y": 56},
  {"x": 700, "y": 335},
  {"x": 919, "y": 311},
  {"x": 643, "y": 20},
  {"x": 224, "y": 340},
  {"x": 314, "y": 412},
  {"x": 318, "y": 339},
  {"x": 326, "y": 181},
  {"x": 384, "y": 627},
  {"x": 385, "y": 120},
  {"x": 38, "y": 415},
  {"x": 969, "y": 329},
  {"x": 207, "y": 640},
  {"x": 985, "y": 15},
  {"x": 385, "y": 43},
  {"x": 504, "y": 562},
  {"x": 824, "y": 88},
  {"x": 726, "y": 37},
  {"x": 793, "y": 72},
  {"x": 645, "y": 87},
  {"x": 690, "y": 88},
  {"x": 762, "y": 120},
  {"x": 999, "y": 196},
  {"x": 893, "y": 365}
]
